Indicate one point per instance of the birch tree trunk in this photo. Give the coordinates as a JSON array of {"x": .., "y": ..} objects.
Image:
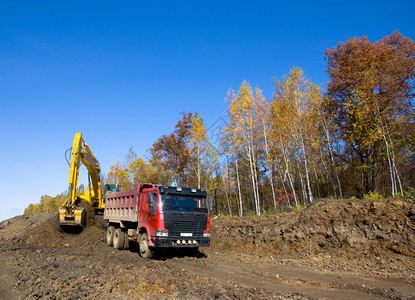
[
  {"x": 269, "y": 164},
  {"x": 251, "y": 166},
  {"x": 395, "y": 179},
  {"x": 284, "y": 188},
  {"x": 239, "y": 189},
  {"x": 310, "y": 194},
  {"x": 287, "y": 171},
  {"x": 327, "y": 132},
  {"x": 228, "y": 190}
]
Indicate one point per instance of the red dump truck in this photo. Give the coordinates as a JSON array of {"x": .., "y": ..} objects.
[{"x": 156, "y": 217}]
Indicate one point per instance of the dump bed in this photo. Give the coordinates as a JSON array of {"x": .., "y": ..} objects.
[{"x": 123, "y": 206}]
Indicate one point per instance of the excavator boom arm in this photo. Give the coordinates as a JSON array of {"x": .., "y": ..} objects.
[
  {"x": 69, "y": 214},
  {"x": 82, "y": 154}
]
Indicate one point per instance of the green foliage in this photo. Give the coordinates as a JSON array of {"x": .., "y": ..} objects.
[
  {"x": 410, "y": 193},
  {"x": 221, "y": 214},
  {"x": 372, "y": 196},
  {"x": 297, "y": 207},
  {"x": 271, "y": 211}
]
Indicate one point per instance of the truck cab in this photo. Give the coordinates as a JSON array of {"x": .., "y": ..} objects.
[
  {"x": 182, "y": 217},
  {"x": 159, "y": 216}
]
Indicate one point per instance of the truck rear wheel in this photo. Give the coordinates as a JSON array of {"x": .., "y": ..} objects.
[
  {"x": 110, "y": 235},
  {"x": 126, "y": 241},
  {"x": 145, "y": 250},
  {"x": 118, "y": 239}
]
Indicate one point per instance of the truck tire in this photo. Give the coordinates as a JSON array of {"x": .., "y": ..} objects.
[
  {"x": 118, "y": 239},
  {"x": 110, "y": 235},
  {"x": 126, "y": 241},
  {"x": 144, "y": 249}
]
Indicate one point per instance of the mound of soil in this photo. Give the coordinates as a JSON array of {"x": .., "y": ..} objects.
[
  {"x": 344, "y": 228},
  {"x": 89, "y": 211}
]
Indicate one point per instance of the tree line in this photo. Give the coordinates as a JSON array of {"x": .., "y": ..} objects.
[
  {"x": 354, "y": 139},
  {"x": 47, "y": 204}
]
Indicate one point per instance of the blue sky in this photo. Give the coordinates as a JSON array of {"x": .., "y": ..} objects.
[{"x": 121, "y": 73}]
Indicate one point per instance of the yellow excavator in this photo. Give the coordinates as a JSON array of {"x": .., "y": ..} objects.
[{"x": 71, "y": 213}]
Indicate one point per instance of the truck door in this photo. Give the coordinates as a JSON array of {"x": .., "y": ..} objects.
[{"x": 150, "y": 211}]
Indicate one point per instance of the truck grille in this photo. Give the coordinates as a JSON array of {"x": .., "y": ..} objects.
[
  {"x": 181, "y": 223},
  {"x": 185, "y": 226}
]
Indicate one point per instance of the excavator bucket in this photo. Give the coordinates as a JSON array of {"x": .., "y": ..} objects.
[{"x": 72, "y": 216}]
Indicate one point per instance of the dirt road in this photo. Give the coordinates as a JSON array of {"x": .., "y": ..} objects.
[
  {"x": 292, "y": 278},
  {"x": 301, "y": 255}
]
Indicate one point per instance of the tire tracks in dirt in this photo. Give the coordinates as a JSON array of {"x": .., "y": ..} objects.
[{"x": 292, "y": 279}]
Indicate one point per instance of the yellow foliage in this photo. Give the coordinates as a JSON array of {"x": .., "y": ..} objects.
[
  {"x": 118, "y": 175},
  {"x": 47, "y": 204}
]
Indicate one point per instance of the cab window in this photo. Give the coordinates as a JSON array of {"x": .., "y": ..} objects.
[{"x": 152, "y": 202}]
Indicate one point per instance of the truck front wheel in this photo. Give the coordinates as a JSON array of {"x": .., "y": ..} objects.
[
  {"x": 145, "y": 250},
  {"x": 110, "y": 235},
  {"x": 118, "y": 239}
]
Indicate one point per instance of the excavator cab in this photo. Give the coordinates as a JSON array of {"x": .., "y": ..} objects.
[{"x": 110, "y": 187}]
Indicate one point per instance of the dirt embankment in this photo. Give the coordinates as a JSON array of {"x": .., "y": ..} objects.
[
  {"x": 348, "y": 228},
  {"x": 332, "y": 249}
]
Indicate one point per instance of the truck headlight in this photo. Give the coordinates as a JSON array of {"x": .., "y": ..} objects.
[
  {"x": 162, "y": 233},
  {"x": 206, "y": 234}
]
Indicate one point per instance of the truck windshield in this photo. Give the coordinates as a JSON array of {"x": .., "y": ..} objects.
[{"x": 173, "y": 202}]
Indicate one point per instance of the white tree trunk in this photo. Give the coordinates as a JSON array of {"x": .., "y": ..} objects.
[
  {"x": 241, "y": 213},
  {"x": 270, "y": 166},
  {"x": 310, "y": 194},
  {"x": 326, "y": 130},
  {"x": 227, "y": 189},
  {"x": 288, "y": 173},
  {"x": 284, "y": 188},
  {"x": 251, "y": 166}
]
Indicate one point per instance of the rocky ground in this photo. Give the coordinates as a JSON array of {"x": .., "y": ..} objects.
[{"x": 332, "y": 249}]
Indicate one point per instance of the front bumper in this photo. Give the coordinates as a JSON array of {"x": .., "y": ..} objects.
[{"x": 182, "y": 242}]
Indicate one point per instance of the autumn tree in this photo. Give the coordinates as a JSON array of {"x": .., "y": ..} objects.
[
  {"x": 371, "y": 92},
  {"x": 244, "y": 132},
  {"x": 264, "y": 119},
  {"x": 229, "y": 149},
  {"x": 185, "y": 155},
  {"x": 134, "y": 170},
  {"x": 201, "y": 150},
  {"x": 118, "y": 174},
  {"x": 295, "y": 123},
  {"x": 172, "y": 151},
  {"x": 326, "y": 145},
  {"x": 47, "y": 203}
]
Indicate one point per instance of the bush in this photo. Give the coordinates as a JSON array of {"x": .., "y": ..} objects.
[
  {"x": 410, "y": 193},
  {"x": 297, "y": 207},
  {"x": 372, "y": 196}
]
